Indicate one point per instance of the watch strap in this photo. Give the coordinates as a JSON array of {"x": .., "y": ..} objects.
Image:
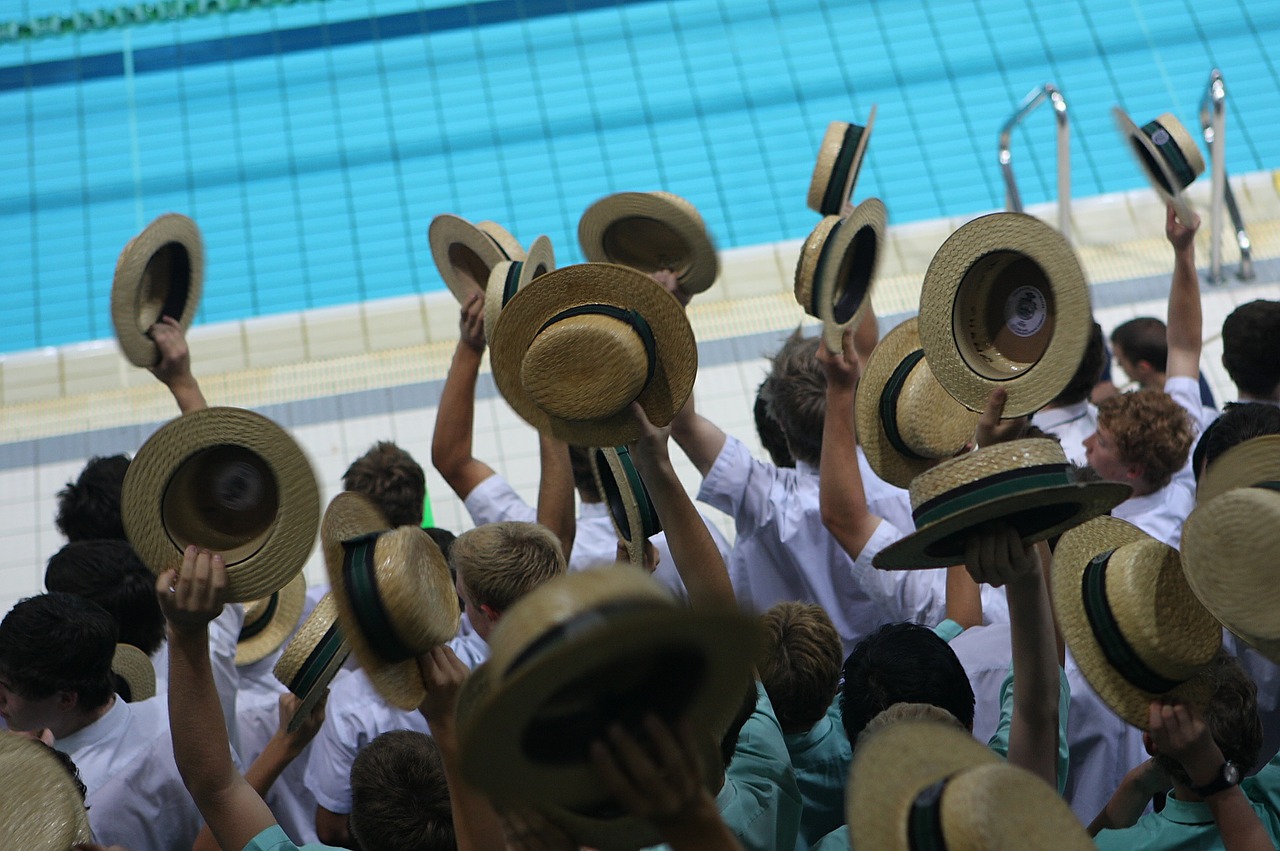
[{"x": 1228, "y": 775}]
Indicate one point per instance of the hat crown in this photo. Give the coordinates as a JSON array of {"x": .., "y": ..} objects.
[
  {"x": 918, "y": 402},
  {"x": 588, "y": 362},
  {"x": 987, "y": 462}
]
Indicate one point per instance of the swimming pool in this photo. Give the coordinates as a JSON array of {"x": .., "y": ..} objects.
[{"x": 313, "y": 142}]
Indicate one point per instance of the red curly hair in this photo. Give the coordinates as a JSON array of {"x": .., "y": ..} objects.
[{"x": 1150, "y": 430}]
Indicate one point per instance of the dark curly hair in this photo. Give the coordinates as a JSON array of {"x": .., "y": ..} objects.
[
  {"x": 110, "y": 574},
  {"x": 89, "y": 507},
  {"x": 392, "y": 480},
  {"x": 1249, "y": 336}
]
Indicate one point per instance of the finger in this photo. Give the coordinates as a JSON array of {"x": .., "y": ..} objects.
[
  {"x": 612, "y": 775},
  {"x": 995, "y": 408},
  {"x": 217, "y": 581},
  {"x": 634, "y": 759},
  {"x": 165, "y": 584}
]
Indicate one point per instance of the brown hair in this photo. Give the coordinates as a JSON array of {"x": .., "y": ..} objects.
[
  {"x": 501, "y": 562},
  {"x": 399, "y": 796},
  {"x": 392, "y": 479},
  {"x": 1151, "y": 430},
  {"x": 1231, "y": 716},
  {"x": 797, "y": 396},
  {"x": 800, "y": 667}
]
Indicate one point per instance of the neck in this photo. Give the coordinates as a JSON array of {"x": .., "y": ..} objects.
[
  {"x": 1183, "y": 793},
  {"x": 77, "y": 720}
]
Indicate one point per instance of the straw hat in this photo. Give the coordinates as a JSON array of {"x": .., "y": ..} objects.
[
  {"x": 44, "y": 810},
  {"x": 837, "y": 267},
  {"x": 230, "y": 480},
  {"x": 587, "y": 650},
  {"x": 466, "y": 253},
  {"x": 1230, "y": 542},
  {"x": 630, "y": 508},
  {"x": 1167, "y": 154},
  {"x": 269, "y": 620},
  {"x": 135, "y": 675},
  {"x": 923, "y": 784},
  {"x": 572, "y": 352},
  {"x": 394, "y": 593},
  {"x": 159, "y": 273},
  {"x": 1005, "y": 304},
  {"x": 511, "y": 276},
  {"x": 650, "y": 231},
  {"x": 312, "y": 658},
  {"x": 839, "y": 160},
  {"x": 905, "y": 420},
  {"x": 1026, "y": 483},
  {"x": 1130, "y": 619}
]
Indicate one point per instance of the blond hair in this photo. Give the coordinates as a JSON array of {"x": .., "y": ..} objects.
[{"x": 501, "y": 562}]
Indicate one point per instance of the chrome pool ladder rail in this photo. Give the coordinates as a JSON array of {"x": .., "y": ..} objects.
[
  {"x": 1013, "y": 200},
  {"x": 1213, "y": 124}
]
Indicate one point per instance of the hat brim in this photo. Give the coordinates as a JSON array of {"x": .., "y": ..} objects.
[
  {"x": 837, "y": 269},
  {"x": 133, "y": 309},
  {"x": 1148, "y": 157},
  {"x": 950, "y": 423},
  {"x": 259, "y": 561},
  {"x": 630, "y": 508},
  {"x": 529, "y": 310},
  {"x": 644, "y": 642},
  {"x": 313, "y": 658},
  {"x": 41, "y": 807},
  {"x": 464, "y": 254},
  {"x": 1243, "y": 465},
  {"x": 668, "y": 234},
  {"x": 503, "y": 238},
  {"x": 282, "y": 621},
  {"x": 136, "y": 670},
  {"x": 1038, "y": 514},
  {"x": 974, "y": 333},
  {"x": 510, "y": 276},
  {"x": 827, "y": 162},
  {"x": 1074, "y": 552}
]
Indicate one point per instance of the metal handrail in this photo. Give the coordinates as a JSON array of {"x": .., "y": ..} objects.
[
  {"x": 1013, "y": 200},
  {"x": 1213, "y": 123}
]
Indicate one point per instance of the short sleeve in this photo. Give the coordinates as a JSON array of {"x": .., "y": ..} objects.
[
  {"x": 738, "y": 484},
  {"x": 495, "y": 501}
]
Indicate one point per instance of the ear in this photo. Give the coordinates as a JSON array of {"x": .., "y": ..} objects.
[
  {"x": 1148, "y": 743},
  {"x": 68, "y": 700},
  {"x": 651, "y": 557},
  {"x": 490, "y": 614}
]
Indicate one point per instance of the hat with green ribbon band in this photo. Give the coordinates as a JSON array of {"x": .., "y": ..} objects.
[
  {"x": 650, "y": 232},
  {"x": 632, "y": 511},
  {"x": 159, "y": 273},
  {"x": 269, "y": 621},
  {"x": 312, "y": 658},
  {"x": 1167, "y": 154},
  {"x": 840, "y": 156},
  {"x": 465, "y": 253},
  {"x": 837, "y": 267},
  {"x": 509, "y": 277}
]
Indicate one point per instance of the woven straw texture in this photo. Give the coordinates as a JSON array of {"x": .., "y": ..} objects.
[
  {"x": 135, "y": 306},
  {"x": 299, "y": 649},
  {"x": 612, "y": 478},
  {"x": 44, "y": 809},
  {"x": 1153, "y": 606},
  {"x": 290, "y": 601},
  {"x": 464, "y": 254},
  {"x": 135, "y": 668},
  {"x": 929, "y": 420},
  {"x": 970, "y": 327},
  {"x": 1241, "y": 466},
  {"x": 650, "y": 231},
  {"x": 828, "y": 155},
  {"x": 277, "y": 555},
  {"x": 540, "y": 260},
  {"x": 1134, "y": 139},
  {"x": 562, "y": 366},
  {"x": 510, "y": 246}
]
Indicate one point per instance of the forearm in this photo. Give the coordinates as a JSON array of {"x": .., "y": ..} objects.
[
  {"x": 964, "y": 597},
  {"x": 261, "y": 776},
  {"x": 476, "y": 824},
  {"x": 200, "y": 745},
  {"x": 1237, "y": 822},
  {"x": 1124, "y": 808},
  {"x": 867, "y": 334},
  {"x": 1185, "y": 321},
  {"x": 842, "y": 500},
  {"x": 694, "y": 551},
  {"x": 1033, "y": 734},
  {"x": 452, "y": 440},
  {"x": 188, "y": 395},
  {"x": 555, "y": 492},
  {"x": 699, "y": 438}
]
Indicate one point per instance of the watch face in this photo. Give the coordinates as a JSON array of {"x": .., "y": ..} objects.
[{"x": 1231, "y": 773}]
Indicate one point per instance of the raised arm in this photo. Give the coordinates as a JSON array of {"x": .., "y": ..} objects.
[
  {"x": 455, "y": 418},
  {"x": 555, "y": 492},
  {"x": 1185, "y": 324},
  {"x": 174, "y": 368}
]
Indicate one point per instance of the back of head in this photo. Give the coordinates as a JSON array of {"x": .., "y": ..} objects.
[
  {"x": 1087, "y": 373},
  {"x": 1231, "y": 716},
  {"x": 501, "y": 562},
  {"x": 1150, "y": 430},
  {"x": 399, "y": 796},
  {"x": 1240, "y": 421},
  {"x": 393, "y": 480},
  {"x": 768, "y": 430},
  {"x": 800, "y": 667},
  {"x": 58, "y": 642},
  {"x": 89, "y": 507},
  {"x": 110, "y": 574},
  {"x": 902, "y": 663},
  {"x": 1249, "y": 336},
  {"x": 1143, "y": 339},
  {"x": 583, "y": 477},
  {"x": 797, "y": 397}
]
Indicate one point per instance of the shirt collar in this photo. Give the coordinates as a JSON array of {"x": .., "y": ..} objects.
[
  {"x": 798, "y": 743},
  {"x": 106, "y": 727},
  {"x": 1186, "y": 812}
]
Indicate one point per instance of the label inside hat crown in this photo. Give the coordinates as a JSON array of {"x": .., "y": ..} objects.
[
  {"x": 238, "y": 486},
  {"x": 1003, "y": 314},
  {"x": 1025, "y": 311}
]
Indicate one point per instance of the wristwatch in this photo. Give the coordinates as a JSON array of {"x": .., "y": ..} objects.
[{"x": 1228, "y": 776}]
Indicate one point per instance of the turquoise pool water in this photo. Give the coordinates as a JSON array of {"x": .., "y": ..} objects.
[{"x": 313, "y": 142}]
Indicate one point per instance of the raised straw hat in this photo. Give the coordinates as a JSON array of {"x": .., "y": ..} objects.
[
  {"x": 466, "y": 253},
  {"x": 839, "y": 160},
  {"x": 650, "y": 231},
  {"x": 920, "y": 784},
  {"x": 1004, "y": 304},
  {"x": 230, "y": 480},
  {"x": 41, "y": 808},
  {"x": 906, "y": 421},
  {"x": 312, "y": 658},
  {"x": 1127, "y": 613},
  {"x": 1167, "y": 154},
  {"x": 1025, "y": 483},
  {"x": 573, "y": 350},
  {"x": 630, "y": 508},
  {"x": 1231, "y": 541},
  {"x": 159, "y": 273},
  {"x": 270, "y": 620},
  {"x": 588, "y": 650},
  {"x": 134, "y": 673},
  {"x": 837, "y": 266},
  {"x": 511, "y": 276},
  {"x": 395, "y": 596}
]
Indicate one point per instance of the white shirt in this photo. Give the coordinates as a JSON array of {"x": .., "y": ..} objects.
[
  {"x": 886, "y": 501},
  {"x": 135, "y": 795},
  {"x": 224, "y": 635},
  {"x": 1072, "y": 425}
]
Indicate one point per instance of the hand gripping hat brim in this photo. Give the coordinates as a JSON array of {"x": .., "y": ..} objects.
[
  {"x": 650, "y": 231},
  {"x": 135, "y": 673},
  {"x": 573, "y": 349},
  {"x": 1167, "y": 154},
  {"x": 41, "y": 808},
  {"x": 1134, "y": 627},
  {"x": 906, "y": 421},
  {"x": 1025, "y": 483},
  {"x": 837, "y": 267},
  {"x": 923, "y": 784},
  {"x": 394, "y": 594},
  {"x": 1004, "y": 304},
  {"x": 159, "y": 273},
  {"x": 230, "y": 480},
  {"x": 466, "y": 253},
  {"x": 630, "y": 508},
  {"x": 588, "y": 650},
  {"x": 511, "y": 276},
  {"x": 835, "y": 172},
  {"x": 269, "y": 621},
  {"x": 312, "y": 658}
]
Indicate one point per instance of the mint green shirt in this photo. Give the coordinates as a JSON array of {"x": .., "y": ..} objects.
[
  {"x": 821, "y": 758},
  {"x": 275, "y": 839}
]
